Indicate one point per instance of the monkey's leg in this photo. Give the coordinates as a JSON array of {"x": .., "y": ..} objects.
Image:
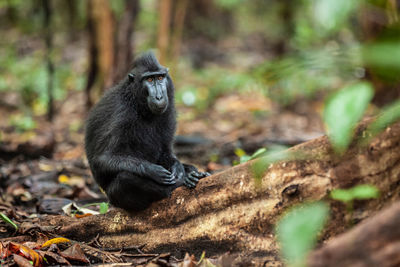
[{"x": 134, "y": 193}]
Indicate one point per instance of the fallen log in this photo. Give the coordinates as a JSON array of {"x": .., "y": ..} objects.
[
  {"x": 229, "y": 212},
  {"x": 374, "y": 242}
]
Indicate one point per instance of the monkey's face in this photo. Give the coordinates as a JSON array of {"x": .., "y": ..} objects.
[{"x": 157, "y": 97}]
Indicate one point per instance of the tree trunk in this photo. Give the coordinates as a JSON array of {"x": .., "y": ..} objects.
[
  {"x": 229, "y": 212},
  {"x": 101, "y": 50},
  {"x": 124, "y": 40},
  {"x": 49, "y": 61},
  {"x": 374, "y": 242},
  {"x": 164, "y": 29},
  {"x": 179, "y": 19}
]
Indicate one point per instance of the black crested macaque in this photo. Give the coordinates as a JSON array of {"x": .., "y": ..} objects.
[{"x": 129, "y": 137}]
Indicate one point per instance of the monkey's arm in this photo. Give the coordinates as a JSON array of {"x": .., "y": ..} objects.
[{"x": 116, "y": 163}]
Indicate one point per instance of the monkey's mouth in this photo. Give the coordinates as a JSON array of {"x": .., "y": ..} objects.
[{"x": 158, "y": 108}]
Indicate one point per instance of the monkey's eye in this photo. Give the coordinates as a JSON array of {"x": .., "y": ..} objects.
[
  {"x": 150, "y": 79},
  {"x": 160, "y": 78}
]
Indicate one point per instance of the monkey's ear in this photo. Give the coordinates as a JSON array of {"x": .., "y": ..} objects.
[
  {"x": 131, "y": 77},
  {"x": 167, "y": 70}
]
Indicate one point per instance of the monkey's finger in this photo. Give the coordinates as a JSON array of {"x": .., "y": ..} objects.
[
  {"x": 166, "y": 172},
  {"x": 203, "y": 174},
  {"x": 193, "y": 178},
  {"x": 166, "y": 175},
  {"x": 189, "y": 183},
  {"x": 196, "y": 174},
  {"x": 169, "y": 182}
]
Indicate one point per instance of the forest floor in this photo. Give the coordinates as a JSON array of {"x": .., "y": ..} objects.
[{"x": 45, "y": 169}]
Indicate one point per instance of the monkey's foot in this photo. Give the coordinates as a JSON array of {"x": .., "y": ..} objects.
[{"x": 193, "y": 178}]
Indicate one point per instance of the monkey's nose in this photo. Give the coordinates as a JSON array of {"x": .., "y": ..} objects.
[{"x": 158, "y": 97}]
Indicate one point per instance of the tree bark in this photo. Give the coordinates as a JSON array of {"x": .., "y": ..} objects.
[
  {"x": 49, "y": 61},
  {"x": 179, "y": 19},
  {"x": 124, "y": 40},
  {"x": 374, "y": 242},
  {"x": 229, "y": 212},
  {"x": 101, "y": 50},
  {"x": 164, "y": 30}
]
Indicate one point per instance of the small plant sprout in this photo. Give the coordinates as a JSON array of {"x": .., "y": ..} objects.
[
  {"x": 358, "y": 192},
  {"x": 103, "y": 207},
  {"x": 8, "y": 220},
  {"x": 298, "y": 230}
]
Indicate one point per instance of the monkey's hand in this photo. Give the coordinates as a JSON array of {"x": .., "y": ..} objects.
[
  {"x": 178, "y": 171},
  {"x": 159, "y": 174},
  {"x": 193, "y": 176}
]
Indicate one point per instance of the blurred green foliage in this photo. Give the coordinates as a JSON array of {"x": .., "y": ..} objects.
[
  {"x": 308, "y": 72},
  {"x": 387, "y": 116},
  {"x": 342, "y": 112},
  {"x": 327, "y": 50},
  {"x": 384, "y": 58},
  {"x": 22, "y": 123},
  {"x": 358, "y": 192},
  {"x": 229, "y": 4},
  {"x": 298, "y": 230},
  {"x": 206, "y": 85},
  {"x": 243, "y": 157},
  {"x": 28, "y": 76},
  {"x": 265, "y": 158}
]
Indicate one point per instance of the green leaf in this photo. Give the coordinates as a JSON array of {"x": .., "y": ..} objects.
[
  {"x": 357, "y": 192},
  {"x": 8, "y": 220},
  {"x": 245, "y": 158},
  {"x": 342, "y": 112},
  {"x": 240, "y": 152},
  {"x": 341, "y": 195},
  {"x": 103, "y": 207},
  {"x": 297, "y": 231},
  {"x": 389, "y": 115},
  {"x": 260, "y": 152},
  {"x": 330, "y": 15},
  {"x": 364, "y": 192},
  {"x": 261, "y": 164},
  {"x": 383, "y": 54}
]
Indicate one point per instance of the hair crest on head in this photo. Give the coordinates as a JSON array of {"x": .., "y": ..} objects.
[{"x": 148, "y": 61}]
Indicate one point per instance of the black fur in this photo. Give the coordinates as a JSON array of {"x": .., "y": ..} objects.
[{"x": 129, "y": 148}]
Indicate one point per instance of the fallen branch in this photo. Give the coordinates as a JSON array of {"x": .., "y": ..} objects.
[
  {"x": 374, "y": 242},
  {"x": 228, "y": 212}
]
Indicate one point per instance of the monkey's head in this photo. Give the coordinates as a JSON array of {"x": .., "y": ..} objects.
[{"x": 152, "y": 80}]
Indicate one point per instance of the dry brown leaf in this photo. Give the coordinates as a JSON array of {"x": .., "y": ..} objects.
[
  {"x": 75, "y": 253},
  {"x": 188, "y": 261},
  {"x": 4, "y": 251},
  {"x": 53, "y": 258},
  {"x": 21, "y": 261},
  {"x": 27, "y": 253}
]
